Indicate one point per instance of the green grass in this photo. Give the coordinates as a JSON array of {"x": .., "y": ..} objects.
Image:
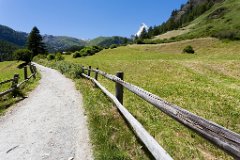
[
  {"x": 8, "y": 69},
  {"x": 206, "y": 83}
]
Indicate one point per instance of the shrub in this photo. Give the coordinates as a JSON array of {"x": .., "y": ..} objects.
[
  {"x": 76, "y": 54},
  {"x": 87, "y": 51},
  {"x": 188, "y": 49},
  {"x": 50, "y": 57},
  {"x": 23, "y": 55},
  {"x": 59, "y": 57},
  {"x": 113, "y": 46}
]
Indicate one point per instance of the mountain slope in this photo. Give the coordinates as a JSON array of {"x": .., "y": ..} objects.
[
  {"x": 12, "y": 36},
  {"x": 220, "y": 21},
  {"x": 56, "y": 43},
  {"x": 11, "y": 40}
]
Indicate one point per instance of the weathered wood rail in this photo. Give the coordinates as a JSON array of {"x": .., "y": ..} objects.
[
  {"x": 15, "y": 80},
  {"x": 223, "y": 138}
]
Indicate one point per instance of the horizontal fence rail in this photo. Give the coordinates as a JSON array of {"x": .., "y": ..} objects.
[
  {"x": 15, "y": 85},
  {"x": 157, "y": 151},
  {"x": 6, "y": 81},
  {"x": 225, "y": 139}
]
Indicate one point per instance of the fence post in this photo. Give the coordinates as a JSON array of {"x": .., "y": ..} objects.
[
  {"x": 32, "y": 71},
  {"x": 96, "y": 75},
  {"x": 89, "y": 70},
  {"x": 35, "y": 69},
  {"x": 14, "y": 84},
  {"x": 25, "y": 72},
  {"x": 119, "y": 88}
]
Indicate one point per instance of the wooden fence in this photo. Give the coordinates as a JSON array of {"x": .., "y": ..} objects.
[
  {"x": 15, "y": 80},
  {"x": 223, "y": 138}
]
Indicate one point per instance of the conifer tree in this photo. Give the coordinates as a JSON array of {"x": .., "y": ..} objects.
[{"x": 35, "y": 43}]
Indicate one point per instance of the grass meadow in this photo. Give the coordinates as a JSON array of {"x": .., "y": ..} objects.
[
  {"x": 7, "y": 70},
  {"x": 206, "y": 83}
]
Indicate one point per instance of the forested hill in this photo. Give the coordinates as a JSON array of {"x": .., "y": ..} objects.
[
  {"x": 11, "y": 39},
  {"x": 12, "y": 36},
  {"x": 183, "y": 16}
]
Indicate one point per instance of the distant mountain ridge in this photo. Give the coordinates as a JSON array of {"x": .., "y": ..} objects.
[
  {"x": 14, "y": 39},
  {"x": 12, "y": 36},
  {"x": 60, "y": 43},
  {"x": 53, "y": 43}
]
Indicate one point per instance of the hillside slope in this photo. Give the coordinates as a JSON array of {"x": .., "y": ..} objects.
[
  {"x": 221, "y": 21},
  {"x": 12, "y": 36},
  {"x": 11, "y": 39}
]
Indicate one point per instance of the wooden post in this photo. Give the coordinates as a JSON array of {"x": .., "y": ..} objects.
[
  {"x": 25, "y": 72},
  {"x": 96, "y": 75},
  {"x": 14, "y": 84},
  {"x": 89, "y": 71},
  {"x": 35, "y": 69},
  {"x": 32, "y": 71},
  {"x": 119, "y": 88}
]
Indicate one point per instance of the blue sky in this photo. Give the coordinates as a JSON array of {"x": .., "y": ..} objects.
[{"x": 85, "y": 18}]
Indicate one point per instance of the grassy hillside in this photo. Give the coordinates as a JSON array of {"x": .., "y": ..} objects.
[
  {"x": 206, "y": 83},
  {"x": 8, "y": 69},
  {"x": 221, "y": 21},
  {"x": 108, "y": 41}
]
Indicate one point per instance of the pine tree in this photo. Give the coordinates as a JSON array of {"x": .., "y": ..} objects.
[
  {"x": 35, "y": 43},
  {"x": 144, "y": 34}
]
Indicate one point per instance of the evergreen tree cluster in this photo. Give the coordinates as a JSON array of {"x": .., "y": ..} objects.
[
  {"x": 35, "y": 43},
  {"x": 178, "y": 20}
]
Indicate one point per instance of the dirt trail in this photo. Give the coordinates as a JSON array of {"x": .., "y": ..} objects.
[{"x": 49, "y": 125}]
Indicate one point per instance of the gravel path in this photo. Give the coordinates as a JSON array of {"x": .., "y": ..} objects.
[{"x": 49, "y": 125}]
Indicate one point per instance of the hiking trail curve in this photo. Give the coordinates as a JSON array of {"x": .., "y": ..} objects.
[{"x": 49, "y": 125}]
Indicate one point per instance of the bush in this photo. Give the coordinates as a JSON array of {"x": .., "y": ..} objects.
[
  {"x": 50, "y": 57},
  {"x": 188, "y": 49},
  {"x": 23, "y": 55},
  {"x": 76, "y": 54},
  {"x": 59, "y": 57},
  {"x": 113, "y": 46},
  {"x": 87, "y": 51}
]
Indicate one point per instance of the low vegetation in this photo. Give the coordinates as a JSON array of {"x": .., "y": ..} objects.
[
  {"x": 188, "y": 49},
  {"x": 206, "y": 83},
  {"x": 8, "y": 69},
  {"x": 87, "y": 51}
]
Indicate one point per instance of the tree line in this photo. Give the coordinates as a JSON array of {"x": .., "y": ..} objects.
[{"x": 177, "y": 20}]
